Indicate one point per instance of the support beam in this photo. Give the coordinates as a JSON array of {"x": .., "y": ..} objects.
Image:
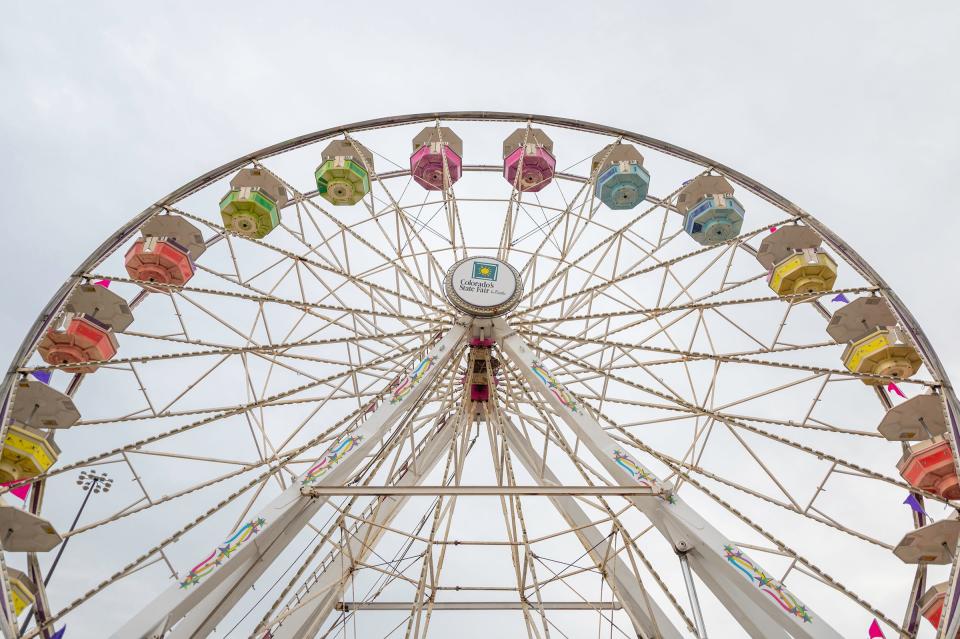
[
  {"x": 482, "y": 491},
  {"x": 329, "y": 582},
  {"x": 647, "y": 617},
  {"x": 351, "y": 606},
  {"x": 194, "y": 606},
  {"x": 756, "y": 595}
]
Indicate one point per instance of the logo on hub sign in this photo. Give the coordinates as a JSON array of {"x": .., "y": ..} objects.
[{"x": 485, "y": 271}]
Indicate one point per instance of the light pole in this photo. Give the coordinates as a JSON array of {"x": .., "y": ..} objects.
[{"x": 92, "y": 482}]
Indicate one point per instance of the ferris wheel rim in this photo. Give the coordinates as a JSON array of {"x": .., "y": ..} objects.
[
  {"x": 130, "y": 228},
  {"x": 127, "y": 230}
]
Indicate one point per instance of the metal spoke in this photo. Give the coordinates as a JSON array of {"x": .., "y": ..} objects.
[{"x": 247, "y": 380}]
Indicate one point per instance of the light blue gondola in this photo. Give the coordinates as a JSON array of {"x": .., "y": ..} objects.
[
  {"x": 710, "y": 212},
  {"x": 622, "y": 182}
]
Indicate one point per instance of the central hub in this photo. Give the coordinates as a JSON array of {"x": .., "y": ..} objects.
[{"x": 483, "y": 286}]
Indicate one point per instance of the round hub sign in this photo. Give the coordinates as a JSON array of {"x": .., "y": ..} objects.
[{"x": 483, "y": 286}]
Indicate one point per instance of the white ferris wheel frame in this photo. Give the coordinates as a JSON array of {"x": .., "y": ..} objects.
[{"x": 197, "y": 611}]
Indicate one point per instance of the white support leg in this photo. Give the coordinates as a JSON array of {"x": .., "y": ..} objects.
[
  {"x": 648, "y": 618},
  {"x": 755, "y": 593},
  {"x": 194, "y": 606},
  {"x": 756, "y": 622},
  {"x": 305, "y": 619}
]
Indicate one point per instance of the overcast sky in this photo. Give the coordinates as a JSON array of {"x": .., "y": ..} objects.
[{"x": 847, "y": 108}]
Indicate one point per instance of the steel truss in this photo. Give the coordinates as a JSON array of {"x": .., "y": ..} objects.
[{"x": 621, "y": 331}]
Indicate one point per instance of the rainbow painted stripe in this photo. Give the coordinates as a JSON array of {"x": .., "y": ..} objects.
[
  {"x": 410, "y": 381},
  {"x": 786, "y": 600},
  {"x": 331, "y": 458},
  {"x": 643, "y": 476},
  {"x": 638, "y": 472},
  {"x": 222, "y": 552},
  {"x": 558, "y": 390}
]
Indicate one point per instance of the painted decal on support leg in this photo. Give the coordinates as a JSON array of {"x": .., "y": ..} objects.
[
  {"x": 333, "y": 456},
  {"x": 766, "y": 583},
  {"x": 558, "y": 389},
  {"x": 410, "y": 381},
  {"x": 223, "y": 552},
  {"x": 644, "y": 476}
]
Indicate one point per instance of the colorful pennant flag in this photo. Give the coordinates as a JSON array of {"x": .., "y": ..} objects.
[
  {"x": 59, "y": 633},
  {"x": 893, "y": 388},
  {"x": 103, "y": 283},
  {"x": 915, "y": 506},
  {"x": 20, "y": 492},
  {"x": 773, "y": 229},
  {"x": 875, "y": 632},
  {"x": 43, "y": 376},
  {"x": 841, "y": 298}
]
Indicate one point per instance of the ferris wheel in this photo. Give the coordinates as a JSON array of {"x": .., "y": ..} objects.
[{"x": 477, "y": 374}]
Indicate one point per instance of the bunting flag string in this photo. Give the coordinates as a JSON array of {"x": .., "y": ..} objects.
[{"x": 841, "y": 298}]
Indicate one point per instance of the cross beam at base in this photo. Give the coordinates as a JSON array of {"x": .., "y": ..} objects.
[
  {"x": 482, "y": 491},
  {"x": 760, "y": 604},
  {"x": 350, "y": 606}
]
